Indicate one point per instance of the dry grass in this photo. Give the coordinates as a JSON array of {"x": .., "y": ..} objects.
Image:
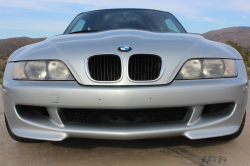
[{"x": 3, "y": 62}]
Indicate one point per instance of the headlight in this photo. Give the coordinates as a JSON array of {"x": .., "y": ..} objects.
[
  {"x": 191, "y": 69},
  {"x": 58, "y": 70},
  {"x": 35, "y": 70},
  {"x": 41, "y": 70},
  {"x": 208, "y": 68},
  {"x": 213, "y": 68}
]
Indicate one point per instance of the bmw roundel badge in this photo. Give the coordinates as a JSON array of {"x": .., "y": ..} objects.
[{"x": 124, "y": 48}]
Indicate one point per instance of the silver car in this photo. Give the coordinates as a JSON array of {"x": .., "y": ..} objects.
[{"x": 125, "y": 74}]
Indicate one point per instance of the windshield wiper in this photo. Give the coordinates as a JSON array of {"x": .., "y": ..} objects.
[{"x": 84, "y": 31}]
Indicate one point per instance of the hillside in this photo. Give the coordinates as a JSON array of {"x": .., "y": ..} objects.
[
  {"x": 240, "y": 35},
  {"x": 8, "y": 46}
]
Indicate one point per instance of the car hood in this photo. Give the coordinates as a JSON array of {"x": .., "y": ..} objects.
[{"x": 73, "y": 49}]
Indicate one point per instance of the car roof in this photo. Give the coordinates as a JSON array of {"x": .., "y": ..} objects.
[{"x": 125, "y": 9}]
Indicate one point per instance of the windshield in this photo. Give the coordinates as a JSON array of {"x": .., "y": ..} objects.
[{"x": 103, "y": 20}]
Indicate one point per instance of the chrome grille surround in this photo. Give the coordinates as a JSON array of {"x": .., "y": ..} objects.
[
  {"x": 88, "y": 71},
  {"x": 160, "y": 73}
]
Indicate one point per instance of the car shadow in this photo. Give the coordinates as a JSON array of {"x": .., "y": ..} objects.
[{"x": 80, "y": 143}]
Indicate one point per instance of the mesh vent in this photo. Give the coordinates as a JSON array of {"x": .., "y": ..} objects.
[
  {"x": 105, "y": 67},
  {"x": 125, "y": 117},
  {"x": 144, "y": 67}
]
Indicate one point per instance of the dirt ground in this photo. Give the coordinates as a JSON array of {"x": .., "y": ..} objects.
[{"x": 151, "y": 152}]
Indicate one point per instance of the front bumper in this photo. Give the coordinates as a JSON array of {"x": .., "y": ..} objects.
[{"x": 192, "y": 93}]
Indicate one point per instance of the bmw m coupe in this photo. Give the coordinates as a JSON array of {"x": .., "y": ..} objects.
[{"x": 125, "y": 74}]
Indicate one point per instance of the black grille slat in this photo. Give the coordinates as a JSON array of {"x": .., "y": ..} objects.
[
  {"x": 125, "y": 117},
  {"x": 159, "y": 68},
  {"x": 93, "y": 68},
  {"x": 98, "y": 74},
  {"x": 117, "y": 64},
  {"x": 105, "y": 67},
  {"x": 154, "y": 64},
  {"x": 111, "y": 66},
  {"x": 144, "y": 67}
]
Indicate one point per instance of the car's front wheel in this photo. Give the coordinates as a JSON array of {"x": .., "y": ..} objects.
[
  {"x": 235, "y": 135},
  {"x": 19, "y": 139}
]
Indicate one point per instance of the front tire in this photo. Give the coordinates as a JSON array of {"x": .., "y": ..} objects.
[
  {"x": 235, "y": 135},
  {"x": 19, "y": 139}
]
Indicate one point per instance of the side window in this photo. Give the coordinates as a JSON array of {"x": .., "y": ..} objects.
[
  {"x": 171, "y": 26},
  {"x": 79, "y": 26}
]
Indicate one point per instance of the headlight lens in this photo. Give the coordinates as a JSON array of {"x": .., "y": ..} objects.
[
  {"x": 35, "y": 70},
  {"x": 230, "y": 68},
  {"x": 208, "y": 68},
  {"x": 213, "y": 68},
  {"x": 57, "y": 70},
  {"x": 41, "y": 70},
  {"x": 191, "y": 69}
]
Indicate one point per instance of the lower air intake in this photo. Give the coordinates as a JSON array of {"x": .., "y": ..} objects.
[
  {"x": 32, "y": 111},
  {"x": 221, "y": 108},
  {"x": 125, "y": 117}
]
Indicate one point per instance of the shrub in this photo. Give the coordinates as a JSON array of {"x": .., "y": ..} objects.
[
  {"x": 245, "y": 55},
  {"x": 248, "y": 64}
]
